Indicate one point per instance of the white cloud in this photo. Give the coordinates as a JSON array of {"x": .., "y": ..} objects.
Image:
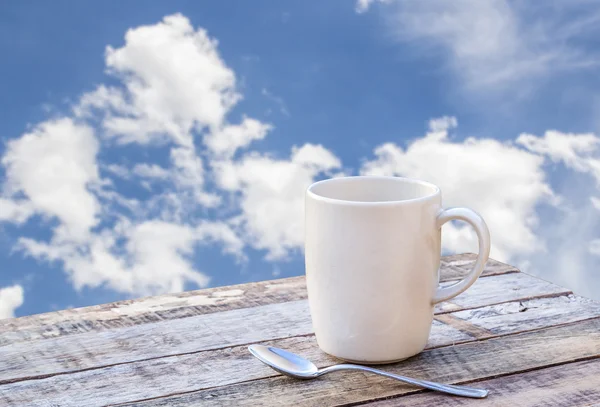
[
  {"x": 443, "y": 123},
  {"x": 219, "y": 232},
  {"x": 576, "y": 151},
  {"x": 492, "y": 44},
  {"x": 572, "y": 234},
  {"x": 315, "y": 158},
  {"x": 155, "y": 257},
  {"x": 120, "y": 171},
  {"x": 503, "y": 183},
  {"x": 161, "y": 253},
  {"x": 188, "y": 174},
  {"x": 272, "y": 195},
  {"x": 175, "y": 82},
  {"x": 17, "y": 211},
  {"x": 103, "y": 99},
  {"x": 53, "y": 166},
  {"x": 363, "y": 5},
  {"x": 176, "y": 87},
  {"x": 150, "y": 171},
  {"x": 11, "y": 298},
  {"x": 569, "y": 233},
  {"x": 227, "y": 140}
]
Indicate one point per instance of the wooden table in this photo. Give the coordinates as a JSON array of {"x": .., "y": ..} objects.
[{"x": 528, "y": 341}]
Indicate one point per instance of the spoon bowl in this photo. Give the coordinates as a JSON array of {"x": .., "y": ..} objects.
[
  {"x": 285, "y": 362},
  {"x": 293, "y": 365}
]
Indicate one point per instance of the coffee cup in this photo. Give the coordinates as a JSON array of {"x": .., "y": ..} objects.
[{"x": 372, "y": 254}]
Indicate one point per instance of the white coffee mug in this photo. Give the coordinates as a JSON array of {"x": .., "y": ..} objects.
[{"x": 373, "y": 247}]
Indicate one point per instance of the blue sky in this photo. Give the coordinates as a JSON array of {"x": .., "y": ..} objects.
[{"x": 175, "y": 156}]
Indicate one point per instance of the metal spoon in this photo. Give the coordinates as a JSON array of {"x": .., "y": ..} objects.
[{"x": 296, "y": 366}]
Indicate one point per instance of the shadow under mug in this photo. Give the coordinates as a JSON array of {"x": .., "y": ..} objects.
[{"x": 373, "y": 248}]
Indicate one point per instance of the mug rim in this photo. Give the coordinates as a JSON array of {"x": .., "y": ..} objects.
[{"x": 435, "y": 191}]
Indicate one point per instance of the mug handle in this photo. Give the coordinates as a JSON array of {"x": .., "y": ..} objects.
[{"x": 483, "y": 235}]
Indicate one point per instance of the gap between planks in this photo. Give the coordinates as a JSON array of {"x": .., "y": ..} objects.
[{"x": 464, "y": 326}]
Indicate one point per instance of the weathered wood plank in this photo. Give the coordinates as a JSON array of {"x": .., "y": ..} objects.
[
  {"x": 499, "y": 289},
  {"x": 454, "y": 364},
  {"x": 151, "y": 309},
  {"x": 192, "y": 372},
  {"x": 458, "y": 265},
  {"x": 210, "y": 331},
  {"x": 188, "y": 304},
  {"x": 569, "y": 385},
  {"x": 530, "y": 314}
]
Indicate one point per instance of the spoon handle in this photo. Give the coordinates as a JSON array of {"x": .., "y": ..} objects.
[{"x": 444, "y": 388}]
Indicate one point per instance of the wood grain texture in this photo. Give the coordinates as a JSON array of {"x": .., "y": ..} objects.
[
  {"x": 499, "y": 289},
  {"x": 457, "y": 266},
  {"x": 534, "y": 313},
  {"x": 569, "y": 385},
  {"x": 215, "y": 330},
  {"x": 192, "y": 372},
  {"x": 191, "y": 303},
  {"x": 151, "y": 309},
  {"x": 455, "y": 364}
]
